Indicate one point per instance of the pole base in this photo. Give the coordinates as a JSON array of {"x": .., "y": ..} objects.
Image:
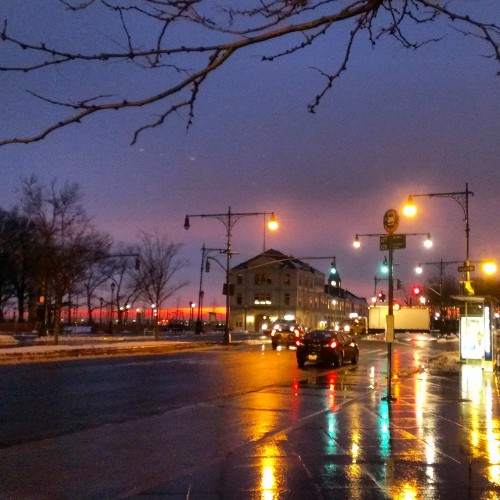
[{"x": 389, "y": 399}]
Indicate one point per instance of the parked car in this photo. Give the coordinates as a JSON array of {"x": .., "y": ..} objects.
[
  {"x": 285, "y": 333},
  {"x": 327, "y": 347}
]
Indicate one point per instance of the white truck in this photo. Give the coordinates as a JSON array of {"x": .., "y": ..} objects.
[{"x": 406, "y": 319}]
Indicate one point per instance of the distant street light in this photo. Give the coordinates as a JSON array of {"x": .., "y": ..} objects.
[
  {"x": 192, "y": 305},
  {"x": 111, "y": 309},
  {"x": 205, "y": 252},
  {"x": 229, "y": 219}
]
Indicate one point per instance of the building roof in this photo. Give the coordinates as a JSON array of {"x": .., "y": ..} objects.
[{"x": 271, "y": 255}]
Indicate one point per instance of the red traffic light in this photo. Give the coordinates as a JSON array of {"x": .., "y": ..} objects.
[{"x": 416, "y": 290}]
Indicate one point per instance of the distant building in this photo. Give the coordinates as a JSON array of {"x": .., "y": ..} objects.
[{"x": 273, "y": 286}]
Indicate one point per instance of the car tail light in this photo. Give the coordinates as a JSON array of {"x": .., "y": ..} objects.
[
  {"x": 298, "y": 342},
  {"x": 332, "y": 344}
]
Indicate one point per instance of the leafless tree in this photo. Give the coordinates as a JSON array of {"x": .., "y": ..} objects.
[
  {"x": 96, "y": 272},
  {"x": 120, "y": 271},
  {"x": 157, "y": 279},
  {"x": 178, "y": 44},
  {"x": 64, "y": 241}
]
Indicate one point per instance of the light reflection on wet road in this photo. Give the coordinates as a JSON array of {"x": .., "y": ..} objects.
[{"x": 296, "y": 434}]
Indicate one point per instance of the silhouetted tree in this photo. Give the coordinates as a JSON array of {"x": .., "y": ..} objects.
[{"x": 64, "y": 242}]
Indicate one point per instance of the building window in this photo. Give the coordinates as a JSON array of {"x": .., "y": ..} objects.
[
  {"x": 263, "y": 279},
  {"x": 262, "y": 299},
  {"x": 286, "y": 299},
  {"x": 239, "y": 299},
  {"x": 239, "y": 279},
  {"x": 287, "y": 279}
]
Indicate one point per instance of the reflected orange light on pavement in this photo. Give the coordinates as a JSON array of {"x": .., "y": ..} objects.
[
  {"x": 268, "y": 484},
  {"x": 407, "y": 491}
]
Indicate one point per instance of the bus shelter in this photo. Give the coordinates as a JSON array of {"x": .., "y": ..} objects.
[{"x": 477, "y": 332}]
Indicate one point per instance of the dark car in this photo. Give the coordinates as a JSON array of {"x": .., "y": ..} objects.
[
  {"x": 285, "y": 333},
  {"x": 327, "y": 347}
]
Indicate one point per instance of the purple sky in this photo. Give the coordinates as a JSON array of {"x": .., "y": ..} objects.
[{"x": 397, "y": 122}]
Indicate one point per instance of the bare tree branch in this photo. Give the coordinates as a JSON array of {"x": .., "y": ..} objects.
[{"x": 160, "y": 53}]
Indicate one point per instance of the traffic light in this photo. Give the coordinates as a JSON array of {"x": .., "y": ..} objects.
[
  {"x": 333, "y": 268},
  {"x": 207, "y": 266},
  {"x": 137, "y": 263},
  {"x": 466, "y": 288},
  {"x": 399, "y": 285},
  {"x": 384, "y": 267},
  {"x": 416, "y": 290},
  {"x": 381, "y": 296}
]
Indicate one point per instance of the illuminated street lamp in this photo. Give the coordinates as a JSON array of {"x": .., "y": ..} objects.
[
  {"x": 490, "y": 268},
  {"x": 229, "y": 219},
  {"x": 272, "y": 225},
  {"x": 462, "y": 198}
]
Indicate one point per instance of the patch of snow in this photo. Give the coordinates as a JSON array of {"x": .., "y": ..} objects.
[
  {"x": 8, "y": 340},
  {"x": 446, "y": 362}
]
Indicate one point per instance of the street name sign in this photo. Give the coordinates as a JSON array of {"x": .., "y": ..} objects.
[
  {"x": 398, "y": 242},
  {"x": 466, "y": 269}
]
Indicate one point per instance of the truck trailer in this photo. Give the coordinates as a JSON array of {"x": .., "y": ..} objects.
[{"x": 406, "y": 319}]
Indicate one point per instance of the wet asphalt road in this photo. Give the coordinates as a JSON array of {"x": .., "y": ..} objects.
[{"x": 244, "y": 422}]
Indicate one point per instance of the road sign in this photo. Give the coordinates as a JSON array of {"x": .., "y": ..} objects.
[
  {"x": 466, "y": 269},
  {"x": 391, "y": 220},
  {"x": 398, "y": 242}
]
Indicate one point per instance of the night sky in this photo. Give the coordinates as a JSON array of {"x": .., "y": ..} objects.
[{"x": 397, "y": 122}]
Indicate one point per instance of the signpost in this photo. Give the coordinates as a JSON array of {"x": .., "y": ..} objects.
[
  {"x": 391, "y": 223},
  {"x": 390, "y": 242},
  {"x": 391, "y": 220}
]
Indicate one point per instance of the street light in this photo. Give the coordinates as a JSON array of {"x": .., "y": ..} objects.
[
  {"x": 462, "y": 198},
  {"x": 111, "y": 308},
  {"x": 192, "y": 305},
  {"x": 272, "y": 225},
  {"x": 229, "y": 219}
]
